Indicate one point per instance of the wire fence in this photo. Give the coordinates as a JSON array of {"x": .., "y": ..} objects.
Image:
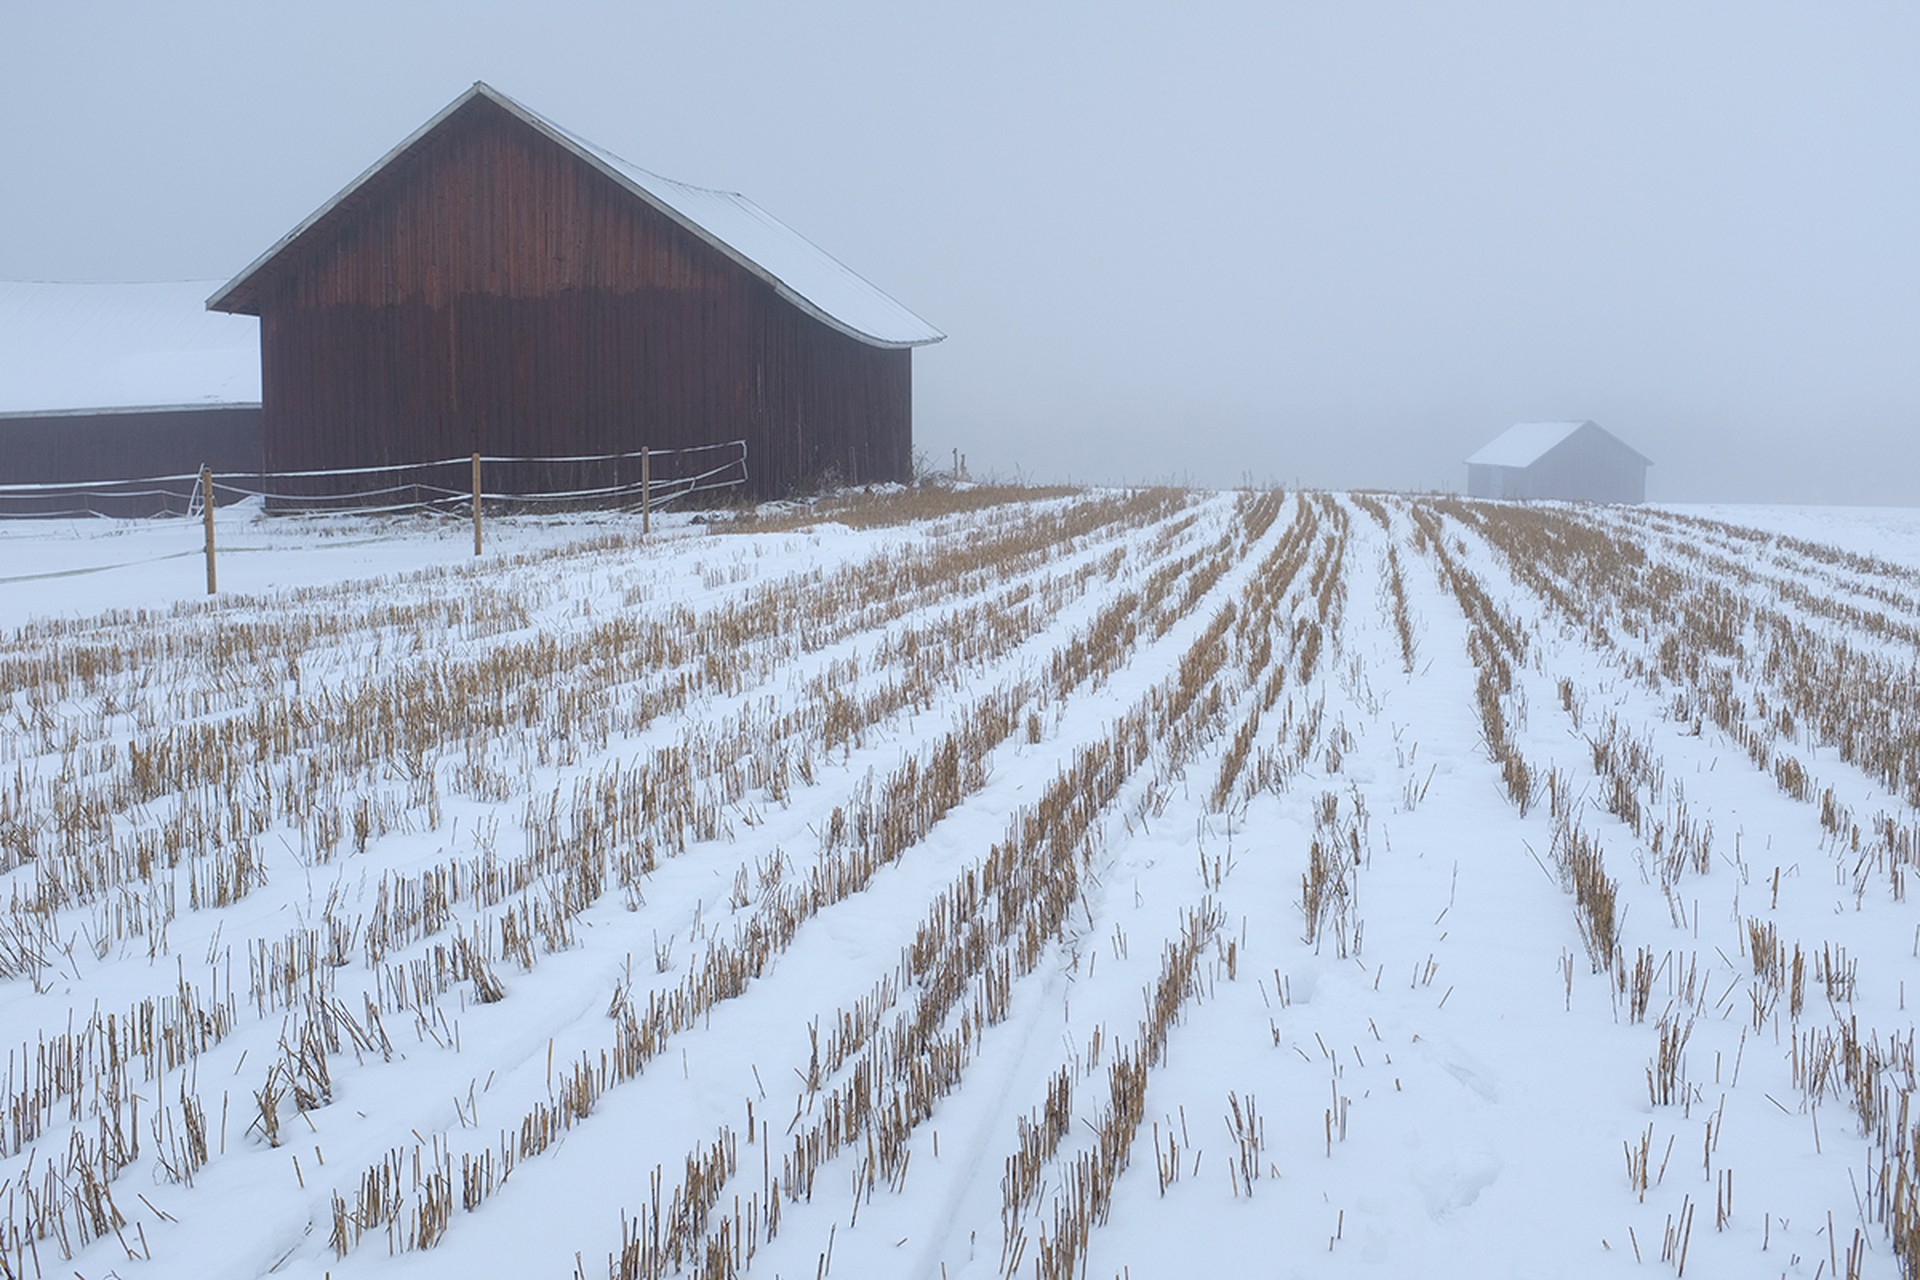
[{"x": 643, "y": 480}]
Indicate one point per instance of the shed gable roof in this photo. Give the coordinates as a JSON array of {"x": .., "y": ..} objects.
[
  {"x": 797, "y": 269},
  {"x": 73, "y": 348},
  {"x": 1525, "y": 443}
]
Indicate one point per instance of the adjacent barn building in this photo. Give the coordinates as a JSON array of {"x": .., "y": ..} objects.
[
  {"x": 498, "y": 285},
  {"x": 1571, "y": 460},
  {"x": 114, "y": 382}
]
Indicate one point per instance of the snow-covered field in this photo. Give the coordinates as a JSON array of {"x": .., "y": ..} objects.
[{"x": 1145, "y": 883}]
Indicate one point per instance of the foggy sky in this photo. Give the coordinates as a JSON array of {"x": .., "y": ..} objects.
[{"x": 1337, "y": 244}]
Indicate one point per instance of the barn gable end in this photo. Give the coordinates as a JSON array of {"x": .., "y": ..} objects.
[{"x": 495, "y": 285}]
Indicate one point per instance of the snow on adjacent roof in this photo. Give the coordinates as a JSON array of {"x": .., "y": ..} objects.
[
  {"x": 798, "y": 269},
  {"x": 1523, "y": 444},
  {"x": 72, "y": 347}
]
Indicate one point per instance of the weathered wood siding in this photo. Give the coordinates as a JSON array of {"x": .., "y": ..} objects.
[{"x": 493, "y": 292}]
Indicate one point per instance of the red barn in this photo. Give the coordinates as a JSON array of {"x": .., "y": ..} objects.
[{"x": 498, "y": 285}]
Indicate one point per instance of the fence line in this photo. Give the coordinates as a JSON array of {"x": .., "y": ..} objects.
[
  {"x": 463, "y": 460},
  {"x": 201, "y": 493},
  {"x": 148, "y": 495}
]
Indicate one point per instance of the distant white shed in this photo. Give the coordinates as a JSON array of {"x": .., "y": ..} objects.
[{"x": 1571, "y": 460}]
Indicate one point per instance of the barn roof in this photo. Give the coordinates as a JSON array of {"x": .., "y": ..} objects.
[
  {"x": 71, "y": 348},
  {"x": 1525, "y": 443},
  {"x": 798, "y": 270}
]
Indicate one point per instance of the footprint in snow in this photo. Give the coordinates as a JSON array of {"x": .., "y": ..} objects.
[
  {"x": 1452, "y": 1182},
  {"x": 1472, "y": 1075}
]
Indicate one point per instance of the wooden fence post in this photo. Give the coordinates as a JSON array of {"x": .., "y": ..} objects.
[
  {"x": 646, "y": 491},
  {"x": 206, "y": 503},
  {"x": 476, "y": 504}
]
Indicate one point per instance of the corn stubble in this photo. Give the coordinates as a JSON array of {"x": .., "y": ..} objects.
[
  {"x": 1793, "y": 651},
  {"x": 305, "y": 759},
  {"x": 161, "y": 772}
]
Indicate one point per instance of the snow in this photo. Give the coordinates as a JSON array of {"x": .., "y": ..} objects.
[
  {"x": 798, "y": 268},
  {"x": 1522, "y": 444},
  {"x": 1890, "y": 533},
  {"x": 68, "y": 347},
  {"x": 1442, "y": 1080}
]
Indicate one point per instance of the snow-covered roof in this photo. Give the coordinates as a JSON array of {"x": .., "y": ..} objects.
[
  {"x": 798, "y": 269},
  {"x": 1523, "y": 444},
  {"x": 67, "y": 348}
]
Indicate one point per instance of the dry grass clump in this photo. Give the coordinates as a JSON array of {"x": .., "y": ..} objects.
[
  {"x": 1665, "y": 1086},
  {"x": 1248, "y": 1131},
  {"x": 1595, "y": 894},
  {"x": 1330, "y": 884},
  {"x": 1402, "y": 619}
]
